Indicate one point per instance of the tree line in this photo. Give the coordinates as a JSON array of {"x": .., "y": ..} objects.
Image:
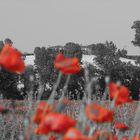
[{"x": 107, "y": 58}]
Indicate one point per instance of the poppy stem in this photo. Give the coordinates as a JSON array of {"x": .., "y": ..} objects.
[
  {"x": 51, "y": 98},
  {"x": 112, "y": 106},
  {"x": 85, "y": 97},
  {"x": 106, "y": 93},
  {"x": 66, "y": 85},
  {"x": 82, "y": 118},
  {"x": 63, "y": 93},
  {"x": 92, "y": 130},
  {"x": 31, "y": 111},
  {"x": 39, "y": 96}
]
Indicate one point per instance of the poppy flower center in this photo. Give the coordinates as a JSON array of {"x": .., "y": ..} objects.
[
  {"x": 95, "y": 111},
  {"x": 65, "y": 63}
]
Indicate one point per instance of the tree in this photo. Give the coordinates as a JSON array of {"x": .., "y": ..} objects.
[
  {"x": 129, "y": 76},
  {"x": 122, "y": 53},
  {"x": 1, "y": 45},
  {"x": 138, "y": 60},
  {"x": 136, "y": 26},
  {"x": 107, "y": 57},
  {"x": 73, "y": 49},
  {"x": 8, "y": 41},
  {"x": 93, "y": 48},
  {"x": 44, "y": 60},
  {"x": 126, "y": 73},
  {"x": 8, "y": 85},
  {"x": 29, "y": 78},
  {"x": 76, "y": 85}
]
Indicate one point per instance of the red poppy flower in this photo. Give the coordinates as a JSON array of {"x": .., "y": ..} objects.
[
  {"x": 119, "y": 93},
  {"x": 67, "y": 65},
  {"x": 36, "y": 131},
  {"x": 75, "y": 134},
  {"x": 87, "y": 128},
  {"x": 129, "y": 100},
  {"x": 136, "y": 137},
  {"x": 98, "y": 134},
  {"x": 59, "y": 57},
  {"x": 43, "y": 108},
  {"x": 52, "y": 137},
  {"x": 3, "y": 110},
  {"x": 125, "y": 138},
  {"x": 120, "y": 126},
  {"x": 56, "y": 122},
  {"x": 99, "y": 114},
  {"x": 11, "y": 59},
  {"x": 66, "y": 100}
]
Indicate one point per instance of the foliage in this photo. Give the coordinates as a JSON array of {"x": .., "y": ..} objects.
[
  {"x": 72, "y": 49},
  {"x": 138, "y": 60},
  {"x": 107, "y": 57},
  {"x": 44, "y": 59},
  {"x": 1, "y": 45},
  {"x": 8, "y": 41},
  {"x": 8, "y": 85},
  {"x": 129, "y": 76},
  {"x": 136, "y": 26},
  {"x": 76, "y": 86},
  {"x": 126, "y": 73},
  {"x": 122, "y": 53},
  {"x": 30, "y": 82}
]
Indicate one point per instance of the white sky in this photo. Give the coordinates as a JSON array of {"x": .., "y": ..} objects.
[{"x": 31, "y": 23}]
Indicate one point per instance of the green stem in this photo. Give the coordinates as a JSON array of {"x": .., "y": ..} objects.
[
  {"x": 39, "y": 96},
  {"x": 63, "y": 92},
  {"x": 55, "y": 88},
  {"x": 93, "y": 129},
  {"x": 85, "y": 97}
]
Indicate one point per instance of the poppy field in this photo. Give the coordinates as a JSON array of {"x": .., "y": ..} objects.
[
  {"x": 116, "y": 118},
  {"x": 14, "y": 129}
]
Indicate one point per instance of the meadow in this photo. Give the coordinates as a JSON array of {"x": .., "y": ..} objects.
[
  {"x": 14, "y": 122},
  {"x": 112, "y": 115}
]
